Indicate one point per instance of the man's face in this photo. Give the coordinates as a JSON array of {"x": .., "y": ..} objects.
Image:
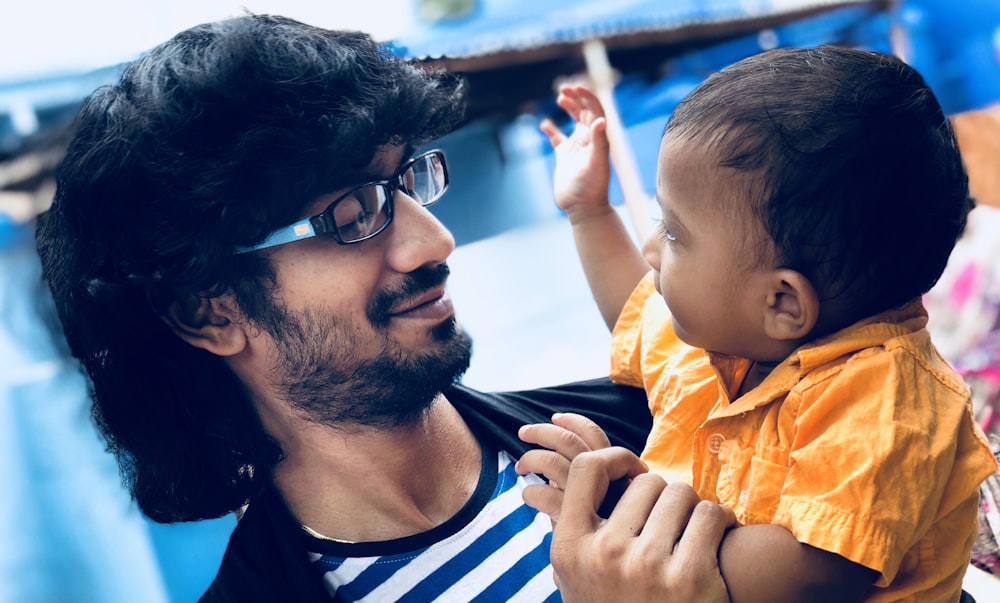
[{"x": 365, "y": 334}]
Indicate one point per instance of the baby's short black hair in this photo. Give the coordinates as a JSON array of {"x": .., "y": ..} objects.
[{"x": 853, "y": 169}]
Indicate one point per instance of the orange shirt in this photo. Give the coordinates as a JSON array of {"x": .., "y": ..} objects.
[{"x": 862, "y": 443}]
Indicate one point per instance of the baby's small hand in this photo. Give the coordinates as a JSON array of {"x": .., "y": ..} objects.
[
  {"x": 567, "y": 436},
  {"x": 583, "y": 168}
]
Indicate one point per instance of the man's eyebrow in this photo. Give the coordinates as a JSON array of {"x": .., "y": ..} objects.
[{"x": 408, "y": 152}]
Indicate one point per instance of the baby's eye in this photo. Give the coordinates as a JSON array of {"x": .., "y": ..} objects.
[{"x": 664, "y": 232}]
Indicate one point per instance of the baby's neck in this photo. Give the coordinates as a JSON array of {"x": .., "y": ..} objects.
[{"x": 756, "y": 374}]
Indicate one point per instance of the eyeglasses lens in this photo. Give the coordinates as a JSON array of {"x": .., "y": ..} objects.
[
  {"x": 425, "y": 180},
  {"x": 361, "y": 214},
  {"x": 366, "y": 210}
]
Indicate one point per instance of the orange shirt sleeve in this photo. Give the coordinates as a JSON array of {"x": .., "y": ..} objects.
[{"x": 885, "y": 466}]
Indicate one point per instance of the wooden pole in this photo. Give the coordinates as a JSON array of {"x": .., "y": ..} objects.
[{"x": 622, "y": 158}]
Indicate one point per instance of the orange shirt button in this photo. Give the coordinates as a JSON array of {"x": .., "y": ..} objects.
[{"x": 715, "y": 442}]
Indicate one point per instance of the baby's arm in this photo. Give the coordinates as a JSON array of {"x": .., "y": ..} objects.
[
  {"x": 765, "y": 563},
  {"x": 757, "y": 562},
  {"x": 611, "y": 261}
]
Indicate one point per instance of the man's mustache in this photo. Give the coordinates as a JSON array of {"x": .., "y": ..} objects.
[{"x": 414, "y": 283}]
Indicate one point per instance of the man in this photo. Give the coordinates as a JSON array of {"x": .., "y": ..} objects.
[{"x": 241, "y": 258}]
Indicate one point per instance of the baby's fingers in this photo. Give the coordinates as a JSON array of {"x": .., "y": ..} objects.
[
  {"x": 546, "y": 499},
  {"x": 554, "y": 437},
  {"x": 552, "y": 132},
  {"x": 552, "y": 465},
  {"x": 567, "y": 101},
  {"x": 580, "y": 103},
  {"x": 589, "y": 432}
]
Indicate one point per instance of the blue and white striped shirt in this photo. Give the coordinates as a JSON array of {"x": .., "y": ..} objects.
[{"x": 495, "y": 548}]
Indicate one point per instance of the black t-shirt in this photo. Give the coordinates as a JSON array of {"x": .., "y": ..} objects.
[{"x": 266, "y": 561}]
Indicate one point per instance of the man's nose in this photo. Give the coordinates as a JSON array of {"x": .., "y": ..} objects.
[{"x": 417, "y": 238}]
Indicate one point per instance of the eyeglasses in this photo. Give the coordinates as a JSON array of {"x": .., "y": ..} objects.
[{"x": 366, "y": 210}]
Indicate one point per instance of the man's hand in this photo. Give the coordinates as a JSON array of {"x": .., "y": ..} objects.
[
  {"x": 660, "y": 543},
  {"x": 583, "y": 166}
]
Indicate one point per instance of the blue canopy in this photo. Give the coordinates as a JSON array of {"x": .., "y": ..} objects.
[
  {"x": 506, "y": 27},
  {"x": 956, "y": 49}
]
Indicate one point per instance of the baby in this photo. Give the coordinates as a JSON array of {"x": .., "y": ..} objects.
[{"x": 808, "y": 198}]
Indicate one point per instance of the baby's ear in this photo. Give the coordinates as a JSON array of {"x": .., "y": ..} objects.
[
  {"x": 209, "y": 323},
  {"x": 792, "y": 306}
]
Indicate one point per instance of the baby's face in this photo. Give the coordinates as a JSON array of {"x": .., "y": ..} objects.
[{"x": 703, "y": 250}]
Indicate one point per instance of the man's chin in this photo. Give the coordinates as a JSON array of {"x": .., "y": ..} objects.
[
  {"x": 454, "y": 351},
  {"x": 396, "y": 392},
  {"x": 448, "y": 330}
]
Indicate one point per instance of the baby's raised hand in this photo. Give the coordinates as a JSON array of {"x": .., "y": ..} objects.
[{"x": 583, "y": 168}]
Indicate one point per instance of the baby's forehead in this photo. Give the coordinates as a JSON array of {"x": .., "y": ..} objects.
[
  {"x": 706, "y": 156},
  {"x": 717, "y": 135},
  {"x": 692, "y": 176}
]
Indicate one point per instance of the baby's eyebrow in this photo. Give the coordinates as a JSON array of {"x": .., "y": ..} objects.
[{"x": 673, "y": 219}]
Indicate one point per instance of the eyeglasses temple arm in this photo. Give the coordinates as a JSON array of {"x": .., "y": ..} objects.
[{"x": 303, "y": 229}]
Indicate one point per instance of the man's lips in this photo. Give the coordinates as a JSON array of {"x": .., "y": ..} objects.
[{"x": 432, "y": 304}]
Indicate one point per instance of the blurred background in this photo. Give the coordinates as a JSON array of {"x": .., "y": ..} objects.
[{"x": 70, "y": 532}]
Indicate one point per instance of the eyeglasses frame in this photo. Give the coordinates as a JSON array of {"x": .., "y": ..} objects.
[{"x": 322, "y": 223}]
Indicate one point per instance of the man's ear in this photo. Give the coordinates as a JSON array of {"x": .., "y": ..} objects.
[
  {"x": 792, "y": 306},
  {"x": 209, "y": 323}
]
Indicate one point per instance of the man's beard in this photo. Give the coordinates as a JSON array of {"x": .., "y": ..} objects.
[{"x": 324, "y": 379}]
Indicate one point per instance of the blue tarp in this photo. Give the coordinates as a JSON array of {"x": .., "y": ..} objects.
[
  {"x": 70, "y": 531},
  {"x": 502, "y": 26},
  {"x": 956, "y": 47}
]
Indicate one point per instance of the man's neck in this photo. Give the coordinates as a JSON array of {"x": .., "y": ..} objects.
[{"x": 373, "y": 484}]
